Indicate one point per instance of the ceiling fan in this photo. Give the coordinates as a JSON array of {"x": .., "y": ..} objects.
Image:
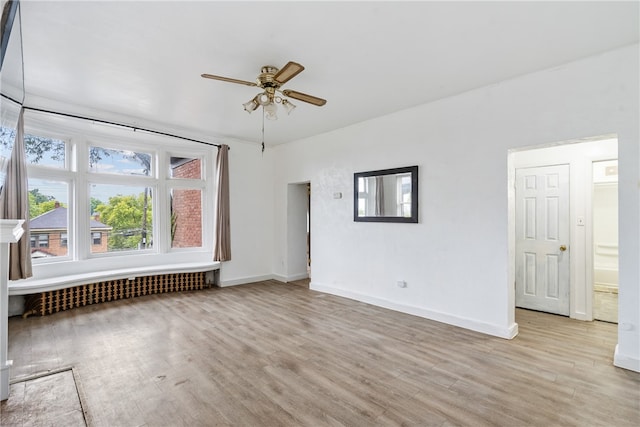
[{"x": 271, "y": 79}]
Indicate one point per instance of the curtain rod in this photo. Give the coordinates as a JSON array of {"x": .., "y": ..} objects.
[{"x": 108, "y": 122}]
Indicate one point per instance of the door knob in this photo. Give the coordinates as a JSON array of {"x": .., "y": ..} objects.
[{"x": 563, "y": 248}]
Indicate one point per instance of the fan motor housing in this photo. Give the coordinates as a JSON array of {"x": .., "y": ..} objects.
[{"x": 266, "y": 77}]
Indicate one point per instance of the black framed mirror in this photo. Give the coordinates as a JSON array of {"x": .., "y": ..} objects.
[{"x": 387, "y": 195}]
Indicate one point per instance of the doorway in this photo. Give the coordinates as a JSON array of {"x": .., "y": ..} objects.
[
  {"x": 298, "y": 259},
  {"x": 545, "y": 269},
  {"x": 309, "y": 229},
  {"x": 605, "y": 240}
]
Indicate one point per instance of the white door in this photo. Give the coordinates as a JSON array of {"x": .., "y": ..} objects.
[{"x": 542, "y": 238}]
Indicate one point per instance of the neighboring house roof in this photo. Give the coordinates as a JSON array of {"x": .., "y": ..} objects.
[
  {"x": 40, "y": 253},
  {"x": 58, "y": 219}
]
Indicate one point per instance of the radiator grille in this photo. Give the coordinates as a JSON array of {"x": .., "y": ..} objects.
[{"x": 64, "y": 299}]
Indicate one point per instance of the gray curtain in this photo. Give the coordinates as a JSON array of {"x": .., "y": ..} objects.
[
  {"x": 14, "y": 204},
  {"x": 379, "y": 196},
  {"x": 222, "y": 249}
]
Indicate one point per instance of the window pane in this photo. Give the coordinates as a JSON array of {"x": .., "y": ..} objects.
[
  {"x": 44, "y": 151},
  {"x": 7, "y": 137},
  {"x": 105, "y": 160},
  {"x": 49, "y": 218},
  {"x": 186, "y": 218},
  {"x": 363, "y": 191},
  {"x": 96, "y": 238},
  {"x": 184, "y": 167},
  {"x": 121, "y": 218},
  {"x": 43, "y": 240},
  {"x": 404, "y": 195}
]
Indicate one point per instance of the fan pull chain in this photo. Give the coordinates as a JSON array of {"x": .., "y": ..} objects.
[{"x": 263, "y": 131}]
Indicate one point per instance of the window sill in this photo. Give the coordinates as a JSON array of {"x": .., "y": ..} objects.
[{"x": 31, "y": 286}]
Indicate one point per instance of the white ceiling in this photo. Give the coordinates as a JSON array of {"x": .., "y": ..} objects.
[{"x": 139, "y": 63}]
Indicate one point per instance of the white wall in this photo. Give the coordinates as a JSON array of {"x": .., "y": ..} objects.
[
  {"x": 251, "y": 200},
  {"x": 456, "y": 260}
]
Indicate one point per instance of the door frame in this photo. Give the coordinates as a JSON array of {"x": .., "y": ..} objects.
[
  {"x": 298, "y": 206},
  {"x": 590, "y": 261},
  {"x": 580, "y": 237}
]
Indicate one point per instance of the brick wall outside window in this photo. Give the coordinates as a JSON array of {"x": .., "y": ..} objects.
[{"x": 187, "y": 207}]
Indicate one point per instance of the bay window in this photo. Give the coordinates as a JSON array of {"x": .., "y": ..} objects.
[{"x": 96, "y": 192}]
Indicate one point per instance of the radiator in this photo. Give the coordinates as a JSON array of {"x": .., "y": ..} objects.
[{"x": 51, "y": 302}]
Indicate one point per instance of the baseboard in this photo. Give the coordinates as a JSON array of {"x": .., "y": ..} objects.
[
  {"x": 291, "y": 278},
  {"x": 279, "y": 278},
  {"x": 299, "y": 276},
  {"x": 625, "y": 362},
  {"x": 246, "y": 280},
  {"x": 474, "y": 325}
]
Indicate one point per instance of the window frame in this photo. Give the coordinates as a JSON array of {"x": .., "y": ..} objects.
[
  {"x": 172, "y": 183},
  {"x": 78, "y": 137},
  {"x": 65, "y": 176},
  {"x": 170, "y": 190},
  {"x": 121, "y": 181}
]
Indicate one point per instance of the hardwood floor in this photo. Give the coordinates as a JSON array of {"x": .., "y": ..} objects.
[{"x": 274, "y": 354}]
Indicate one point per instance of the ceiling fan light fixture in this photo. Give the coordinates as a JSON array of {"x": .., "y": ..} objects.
[
  {"x": 272, "y": 111},
  {"x": 263, "y": 99},
  {"x": 250, "y": 106},
  {"x": 288, "y": 106}
]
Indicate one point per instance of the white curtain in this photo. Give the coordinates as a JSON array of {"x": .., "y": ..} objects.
[
  {"x": 14, "y": 204},
  {"x": 222, "y": 248}
]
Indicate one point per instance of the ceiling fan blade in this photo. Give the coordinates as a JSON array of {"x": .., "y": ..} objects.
[
  {"x": 304, "y": 97},
  {"x": 289, "y": 71},
  {"x": 230, "y": 80}
]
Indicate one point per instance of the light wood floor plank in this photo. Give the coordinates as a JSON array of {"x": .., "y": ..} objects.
[{"x": 274, "y": 354}]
